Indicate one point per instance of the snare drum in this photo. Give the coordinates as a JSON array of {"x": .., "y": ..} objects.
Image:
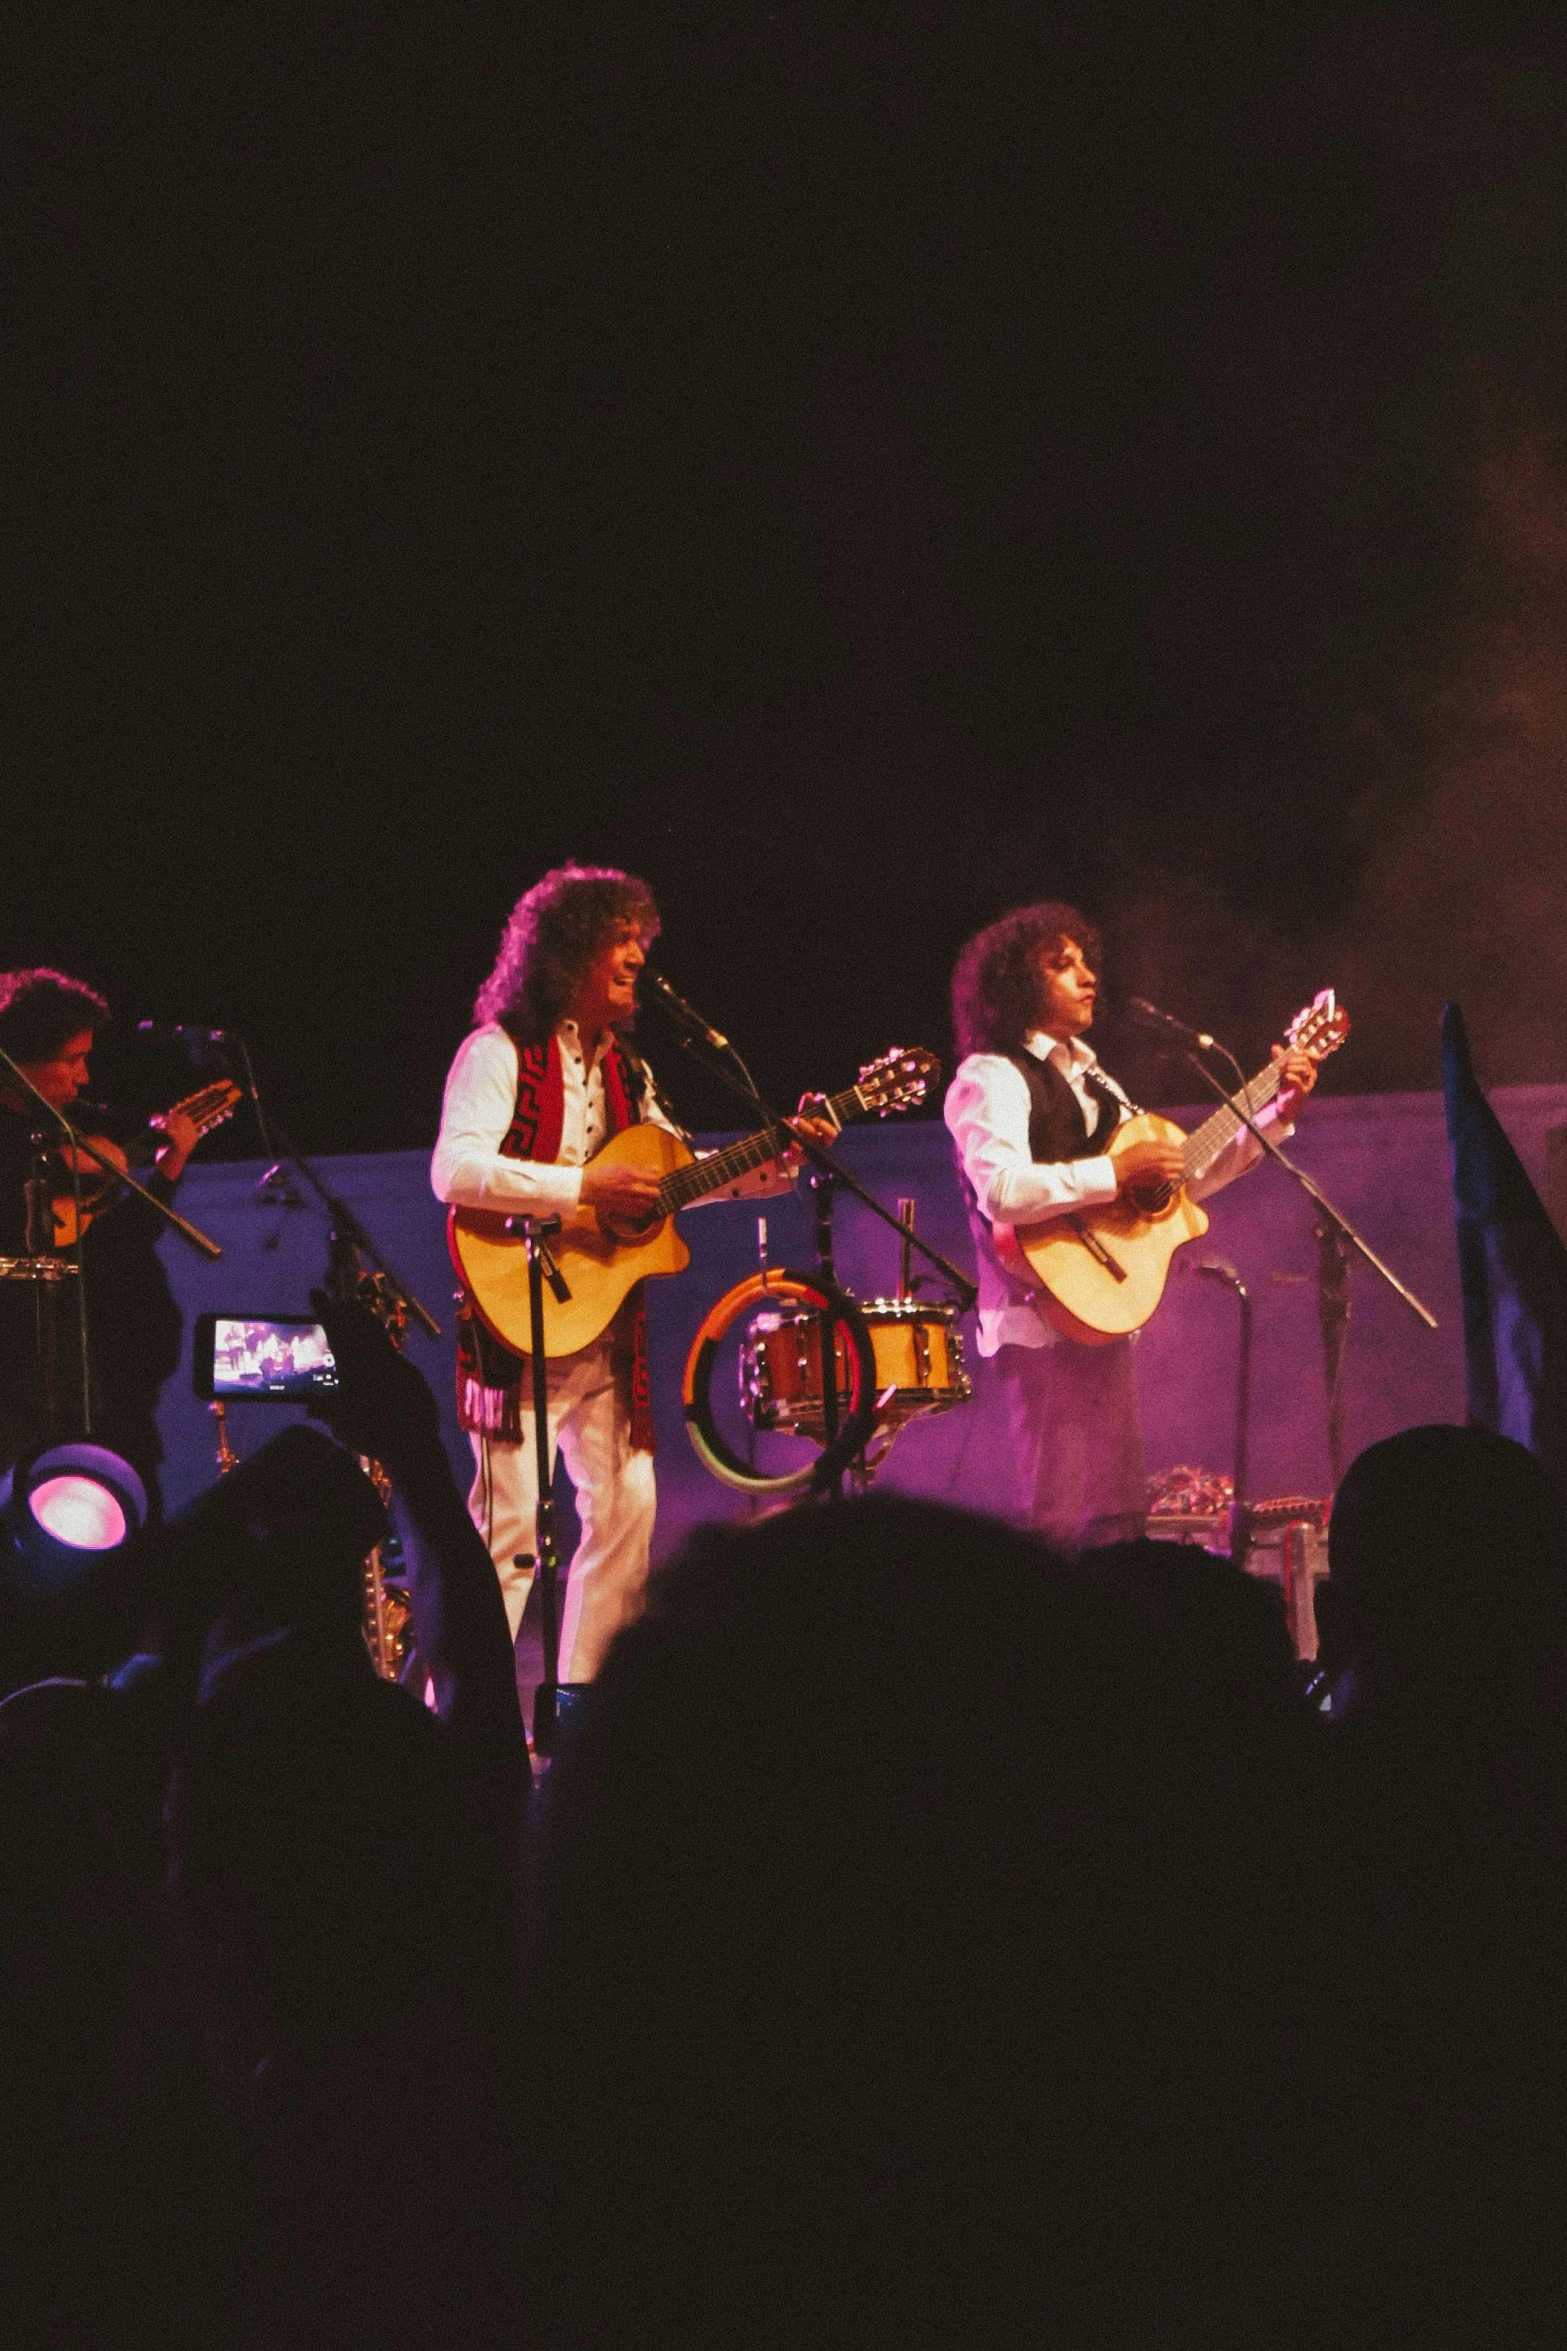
[{"x": 919, "y": 1365}]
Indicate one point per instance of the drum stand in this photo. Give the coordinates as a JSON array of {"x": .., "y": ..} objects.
[{"x": 821, "y": 1182}]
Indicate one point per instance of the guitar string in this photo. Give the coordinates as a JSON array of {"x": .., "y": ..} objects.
[
  {"x": 685, "y": 1184},
  {"x": 1217, "y": 1132},
  {"x": 1225, "y": 1124}
]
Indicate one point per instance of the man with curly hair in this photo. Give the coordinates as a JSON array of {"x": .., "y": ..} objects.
[
  {"x": 543, "y": 1080},
  {"x": 47, "y": 1025},
  {"x": 1032, "y": 1113}
]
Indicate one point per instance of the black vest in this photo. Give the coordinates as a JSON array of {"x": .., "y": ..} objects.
[{"x": 1057, "y": 1128}]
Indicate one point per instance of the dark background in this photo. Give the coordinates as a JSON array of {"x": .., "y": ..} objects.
[{"x": 860, "y": 466}]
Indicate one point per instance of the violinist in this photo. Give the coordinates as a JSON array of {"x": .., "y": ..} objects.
[{"x": 48, "y": 1022}]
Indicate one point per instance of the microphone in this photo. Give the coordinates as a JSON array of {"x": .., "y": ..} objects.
[
  {"x": 1150, "y": 1017},
  {"x": 162, "y": 1032},
  {"x": 673, "y": 1002},
  {"x": 1214, "y": 1269}
]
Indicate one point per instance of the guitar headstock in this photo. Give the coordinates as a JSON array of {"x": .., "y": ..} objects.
[
  {"x": 1321, "y": 1028},
  {"x": 212, "y": 1105},
  {"x": 900, "y": 1078}
]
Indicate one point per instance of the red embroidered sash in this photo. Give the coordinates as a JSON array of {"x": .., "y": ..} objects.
[{"x": 491, "y": 1378}]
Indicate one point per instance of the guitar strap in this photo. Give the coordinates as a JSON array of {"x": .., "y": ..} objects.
[{"x": 490, "y": 1376}]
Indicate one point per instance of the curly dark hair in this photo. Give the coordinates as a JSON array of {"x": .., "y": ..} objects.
[
  {"x": 41, "y": 1010},
  {"x": 997, "y": 992},
  {"x": 554, "y": 932}
]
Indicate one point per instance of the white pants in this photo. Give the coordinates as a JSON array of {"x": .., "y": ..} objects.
[
  {"x": 615, "y": 1502},
  {"x": 1077, "y": 1441}
]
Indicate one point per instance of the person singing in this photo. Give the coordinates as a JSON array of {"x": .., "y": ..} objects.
[
  {"x": 1031, "y": 1114},
  {"x": 546, "y": 1076}
]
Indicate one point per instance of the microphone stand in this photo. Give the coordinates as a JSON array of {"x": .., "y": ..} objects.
[
  {"x": 827, "y": 1174},
  {"x": 1214, "y": 1269},
  {"x": 346, "y": 1227},
  {"x": 1336, "y": 1237},
  {"x": 536, "y": 1232}
]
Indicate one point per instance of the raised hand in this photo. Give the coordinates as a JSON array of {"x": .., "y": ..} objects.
[{"x": 381, "y": 1404}]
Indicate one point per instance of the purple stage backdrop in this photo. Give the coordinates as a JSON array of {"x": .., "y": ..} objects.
[{"x": 1382, "y": 1158}]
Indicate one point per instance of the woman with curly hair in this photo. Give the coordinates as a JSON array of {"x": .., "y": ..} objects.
[
  {"x": 1032, "y": 1113},
  {"x": 540, "y": 1084}
]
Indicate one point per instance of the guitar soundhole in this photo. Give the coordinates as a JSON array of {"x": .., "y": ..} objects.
[
  {"x": 1152, "y": 1199},
  {"x": 630, "y": 1228}
]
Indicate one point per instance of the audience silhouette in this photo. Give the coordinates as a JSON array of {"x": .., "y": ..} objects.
[
  {"x": 924, "y": 1938},
  {"x": 921, "y": 1954}
]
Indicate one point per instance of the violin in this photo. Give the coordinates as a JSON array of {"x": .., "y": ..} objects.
[{"x": 99, "y": 1188}]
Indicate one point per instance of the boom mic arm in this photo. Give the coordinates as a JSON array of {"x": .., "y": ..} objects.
[
  {"x": 1149, "y": 1016},
  {"x": 675, "y": 1004}
]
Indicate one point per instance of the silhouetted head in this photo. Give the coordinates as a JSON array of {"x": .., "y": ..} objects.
[
  {"x": 903, "y": 1939},
  {"x": 1224, "y": 1632},
  {"x": 279, "y": 1544},
  {"x": 323, "y": 1855},
  {"x": 1448, "y": 1594}
]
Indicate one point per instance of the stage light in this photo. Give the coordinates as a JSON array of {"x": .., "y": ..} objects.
[{"x": 64, "y": 1508}]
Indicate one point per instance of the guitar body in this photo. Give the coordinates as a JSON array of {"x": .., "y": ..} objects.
[
  {"x": 1086, "y": 1298},
  {"x": 602, "y": 1261},
  {"x": 1102, "y": 1270},
  {"x": 600, "y": 1265}
]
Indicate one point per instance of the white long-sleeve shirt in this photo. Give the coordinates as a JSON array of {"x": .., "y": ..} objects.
[
  {"x": 987, "y": 1113},
  {"x": 469, "y": 1169}
]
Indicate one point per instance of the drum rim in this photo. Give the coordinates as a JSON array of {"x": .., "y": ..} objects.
[{"x": 696, "y": 1386}]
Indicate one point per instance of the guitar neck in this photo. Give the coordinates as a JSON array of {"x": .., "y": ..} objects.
[
  {"x": 1217, "y": 1133},
  {"x": 205, "y": 1111},
  {"x": 684, "y": 1184}
]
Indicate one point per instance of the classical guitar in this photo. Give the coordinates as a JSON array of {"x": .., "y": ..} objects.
[
  {"x": 1102, "y": 1270},
  {"x": 205, "y": 1110},
  {"x": 602, "y": 1259}
]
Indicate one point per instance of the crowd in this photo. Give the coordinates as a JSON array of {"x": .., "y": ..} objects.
[{"x": 921, "y": 1938}]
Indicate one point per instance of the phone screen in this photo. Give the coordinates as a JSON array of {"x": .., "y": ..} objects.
[{"x": 255, "y": 1358}]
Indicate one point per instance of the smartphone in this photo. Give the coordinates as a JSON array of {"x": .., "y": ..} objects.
[{"x": 278, "y": 1356}]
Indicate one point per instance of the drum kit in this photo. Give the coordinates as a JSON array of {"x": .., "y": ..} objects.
[
  {"x": 911, "y": 1350},
  {"x": 919, "y": 1368}
]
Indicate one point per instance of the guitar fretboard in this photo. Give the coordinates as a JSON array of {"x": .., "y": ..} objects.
[
  {"x": 1204, "y": 1145},
  {"x": 684, "y": 1184}
]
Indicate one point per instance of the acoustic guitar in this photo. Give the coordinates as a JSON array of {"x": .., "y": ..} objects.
[
  {"x": 205, "y": 1110},
  {"x": 1102, "y": 1270},
  {"x": 601, "y": 1258}
]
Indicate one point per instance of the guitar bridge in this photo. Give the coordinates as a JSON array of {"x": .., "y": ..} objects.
[{"x": 1096, "y": 1248}]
